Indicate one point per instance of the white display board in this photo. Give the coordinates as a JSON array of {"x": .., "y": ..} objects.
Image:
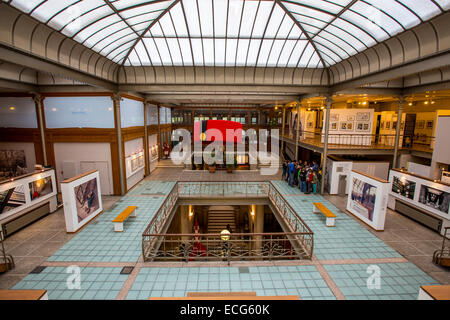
[
  {"x": 350, "y": 126},
  {"x": 367, "y": 199},
  {"x": 82, "y": 199},
  {"x": 27, "y": 192},
  {"x": 432, "y": 197}
]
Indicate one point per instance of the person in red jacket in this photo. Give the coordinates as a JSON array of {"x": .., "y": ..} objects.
[{"x": 309, "y": 181}]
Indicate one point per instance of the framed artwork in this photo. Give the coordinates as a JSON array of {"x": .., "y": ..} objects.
[
  {"x": 351, "y": 118},
  {"x": 434, "y": 198},
  {"x": 141, "y": 161},
  {"x": 12, "y": 163},
  {"x": 404, "y": 187},
  {"x": 366, "y": 126},
  {"x": 388, "y": 125},
  {"x": 359, "y": 126},
  {"x": 86, "y": 199},
  {"x": 40, "y": 188},
  {"x": 349, "y": 126},
  {"x": 363, "y": 116},
  {"x": 382, "y": 125},
  {"x": 134, "y": 164},
  {"x": 334, "y": 117},
  {"x": 333, "y": 126},
  {"x": 344, "y": 126},
  {"x": 430, "y": 124},
  {"x": 420, "y": 124},
  {"x": 394, "y": 125},
  {"x": 310, "y": 124},
  {"x": 363, "y": 198}
]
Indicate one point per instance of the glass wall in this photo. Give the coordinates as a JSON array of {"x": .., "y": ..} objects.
[
  {"x": 79, "y": 112},
  {"x": 17, "y": 112},
  {"x": 131, "y": 113}
]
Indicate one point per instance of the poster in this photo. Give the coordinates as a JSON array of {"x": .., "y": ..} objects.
[
  {"x": 434, "y": 198},
  {"x": 86, "y": 199},
  {"x": 12, "y": 163},
  {"x": 363, "y": 198},
  {"x": 141, "y": 161},
  {"x": 363, "y": 116},
  {"x": 134, "y": 164},
  {"x": 333, "y": 126},
  {"x": 404, "y": 187},
  {"x": 40, "y": 188},
  {"x": 12, "y": 198}
]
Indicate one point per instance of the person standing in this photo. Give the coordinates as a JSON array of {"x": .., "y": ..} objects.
[
  {"x": 314, "y": 182},
  {"x": 297, "y": 168},
  {"x": 303, "y": 180},
  {"x": 291, "y": 173},
  {"x": 309, "y": 179},
  {"x": 283, "y": 177}
]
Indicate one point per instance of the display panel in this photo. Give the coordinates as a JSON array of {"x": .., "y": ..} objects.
[
  {"x": 40, "y": 188},
  {"x": 363, "y": 197},
  {"x": 82, "y": 199},
  {"x": 434, "y": 198}
]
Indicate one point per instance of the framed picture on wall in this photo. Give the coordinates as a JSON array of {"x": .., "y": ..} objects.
[
  {"x": 351, "y": 118},
  {"x": 134, "y": 164},
  {"x": 430, "y": 124},
  {"x": 366, "y": 126},
  {"x": 382, "y": 125},
  {"x": 420, "y": 124},
  {"x": 334, "y": 117},
  {"x": 388, "y": 124},
  {"x": 310, "y": 124},
  {"x": 363, "y": 116},
  {"x": 344, "y": 126},
  {"x": 333, "y": 126},
  {"x": 394, "y": 125},
  {"x": 349, "y": 126},
  {"x": 359, "y": 126}
]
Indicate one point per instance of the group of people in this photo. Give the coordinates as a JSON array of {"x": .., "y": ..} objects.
[{"x": 303, "y": 175}]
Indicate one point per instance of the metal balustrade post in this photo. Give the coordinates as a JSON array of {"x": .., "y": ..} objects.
[{"x": 325, "y": 147}]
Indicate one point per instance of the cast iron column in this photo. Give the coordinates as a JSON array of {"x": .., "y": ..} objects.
[
  {"x": 116, "y": 101},
  {"x": 325, "y": 144},
  {"x": 401, "y": 100},
  {"x": 38, "y": 101},
  {"x": 298, "y": 130}
]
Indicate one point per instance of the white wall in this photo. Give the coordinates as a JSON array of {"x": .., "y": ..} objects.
[
  {"x": 17, "y": 112},
  {"x": 418, "y": 169},
  {"x": 153, "y": 142},
  {"x": 85, "y": 152},
  {"x": 376, "y": 169},
  {"x": 152, "y": 114},
  {"x": 132, "y": 148},
  {"x": 28, "y": 147},
  {"x": 441, "y": 152}
]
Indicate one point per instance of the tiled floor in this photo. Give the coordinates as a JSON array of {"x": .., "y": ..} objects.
[
  {"x": 304, "y": 281},
  {"x": 347, "y": 240},
  {"x": 95, "y": 283},
  {"x": 338, "y": 269}
]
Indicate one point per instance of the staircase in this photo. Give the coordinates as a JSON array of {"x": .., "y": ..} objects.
[{"x": 219, "y": 217}]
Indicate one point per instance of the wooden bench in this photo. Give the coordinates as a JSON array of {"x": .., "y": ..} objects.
[
  {"x": 320, "y": 208},
  {"x": 23, "y": 295},
  {"x": 226, "y": 296},
  {"x": 439, "y": 292},
  {"x": 118, "y": 221}
]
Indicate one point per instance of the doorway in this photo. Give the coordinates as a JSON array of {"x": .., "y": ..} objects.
[{"x": 408, "y": 133}]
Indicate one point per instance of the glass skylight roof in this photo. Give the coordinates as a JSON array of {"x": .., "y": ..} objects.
[{"x": 236, "y": 33}]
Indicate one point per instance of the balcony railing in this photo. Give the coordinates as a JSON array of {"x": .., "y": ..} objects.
[
  {"x": 215, "y": 247},
  {"x": 296, "y": 244},
  {"x": 361, "y": 141}
]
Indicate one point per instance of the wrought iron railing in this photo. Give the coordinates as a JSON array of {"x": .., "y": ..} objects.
[
  {"x": 160, "y": 218},
  {"x": 156, "y": 244},
  {"x": 293, "y": 220},
  {"x": 212, "y": 247}
]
